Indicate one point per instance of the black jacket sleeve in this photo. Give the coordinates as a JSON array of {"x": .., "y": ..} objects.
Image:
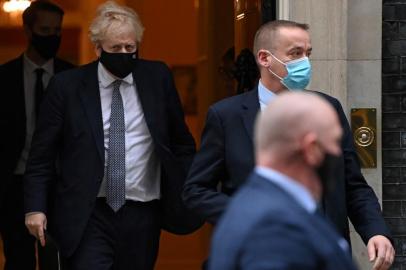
[
  {"x": 362, "y": 204},
  {"x": 201, "y": 192}
]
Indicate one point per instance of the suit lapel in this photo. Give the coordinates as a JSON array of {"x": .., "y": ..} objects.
[
  {"x": 90, "y": 97},
  {"x": 20, "y": 81},
  {"x": 250, "y": 108},
  {"x": 145, "y": 90},
  {"x": 57, "y": 66},
  {"x": 19, "y": 93}
]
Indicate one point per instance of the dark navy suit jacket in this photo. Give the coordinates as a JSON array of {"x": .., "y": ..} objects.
[
  {"x": 226, "y": 157},
  {"x": 70, "y": 128},
  {"x": 265, "y": 228},
  {"x": 13, "y": 115}
]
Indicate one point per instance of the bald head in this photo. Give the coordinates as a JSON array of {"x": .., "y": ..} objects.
[{"x": 281, "y": 128}]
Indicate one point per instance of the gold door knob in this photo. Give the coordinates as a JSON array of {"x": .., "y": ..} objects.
[
  {"x": 363, "y": 123},
  {"x": 364, "y": 136}
]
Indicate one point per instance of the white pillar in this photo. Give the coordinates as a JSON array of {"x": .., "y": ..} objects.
[{"x": 346, "y": 59}]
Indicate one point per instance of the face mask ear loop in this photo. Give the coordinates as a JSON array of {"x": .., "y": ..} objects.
[
  {"x": 280, "y": 78},
  {"x": 273, "y": 73},
  {"x": 277, "y": 59},
  {"x": 276, "y": 75}
]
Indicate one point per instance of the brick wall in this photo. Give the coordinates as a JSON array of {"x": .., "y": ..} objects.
[{"x": 394, "y": 123}]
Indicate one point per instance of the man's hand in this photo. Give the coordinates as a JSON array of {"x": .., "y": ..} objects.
[
  {"x": 381, "y": 252},
  {"x": 36, "y": 224}
]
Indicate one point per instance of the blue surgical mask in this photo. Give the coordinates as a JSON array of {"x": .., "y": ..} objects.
[{"x": 299, "y": 73}]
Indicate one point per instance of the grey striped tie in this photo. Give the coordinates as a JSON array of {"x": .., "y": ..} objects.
[{"x": 115, "y": 189}]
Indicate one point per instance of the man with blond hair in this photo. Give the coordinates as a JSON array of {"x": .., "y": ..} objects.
[
  {"x": 117, "y": 128},
  {"x": 272, "y": 221}
]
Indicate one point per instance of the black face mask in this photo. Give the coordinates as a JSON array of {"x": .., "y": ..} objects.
[
  {"x": 46, "y": 46},
  {"x": 328, "y": 172},
  {"x": 119, "y": 64}
]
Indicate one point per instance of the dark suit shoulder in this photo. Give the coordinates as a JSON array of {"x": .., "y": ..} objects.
[
  {"x": 256, "y": 203},
  {"x": 61, "y": 65},
  {"x": 267, "y": 195},
  {"x": 11, "y": 65},
  {"x": 16, "y": 64},
  {"x": 153, "y": 65},
  {"x": 151, "y": 62},
  {"x": 70, "y": 74},
  {"x": 84, "y": 72},
  {"x": 332, "y": 100},
  {"x": 71, "y": 79},
  {"x": 233, "y": 104},
  {"x": 232, "y": 101},
  {"x": 12, "y": 62}
]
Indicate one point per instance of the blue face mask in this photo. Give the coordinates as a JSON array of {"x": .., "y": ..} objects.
[{"x": 299, "y": 73}]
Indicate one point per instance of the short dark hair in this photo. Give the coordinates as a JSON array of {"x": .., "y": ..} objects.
[
  {"x": 266, "y": 33},
  {"x": 285, "y": 23},
  {"x": 30, "y": 13}
]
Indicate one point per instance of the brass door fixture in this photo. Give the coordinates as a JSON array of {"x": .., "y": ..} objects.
[{"x": 363, "y": 124}]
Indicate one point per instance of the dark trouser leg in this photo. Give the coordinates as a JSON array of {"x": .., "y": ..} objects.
[
  {"x": 138, "y": 242},
  {"x": 128, "y": 239},
  {"x": 19, "y": 245},
  {"x": 96, "y": 248}
]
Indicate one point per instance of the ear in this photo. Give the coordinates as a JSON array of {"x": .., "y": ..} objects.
[
  {"x": 311, "y": 150},
  {"x": 264, "y": 58},
  {"x": 98, "y": 50}
]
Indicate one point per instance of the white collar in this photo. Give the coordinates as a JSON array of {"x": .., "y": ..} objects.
[
  {"x": 48, "y": 66},
  {"x": 106, "y": 78}
]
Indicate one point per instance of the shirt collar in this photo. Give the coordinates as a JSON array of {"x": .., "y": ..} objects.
[
  {"x": 106, "y": 78},
  {"x": 265, "y": 95},
  {"x": 30, "y": 66},
  {"x": 292, "y": 187}
]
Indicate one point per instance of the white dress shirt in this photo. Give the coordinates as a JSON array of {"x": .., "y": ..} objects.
[
  {"x": 265, "y": 95},
  {"x": 30, "y": 78},
  {"x": 143, "y": 168}
]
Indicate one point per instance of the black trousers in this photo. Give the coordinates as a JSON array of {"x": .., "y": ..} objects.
[
  {"x": 125, "y": 240},
  {"x": 18, "y": 244}
]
